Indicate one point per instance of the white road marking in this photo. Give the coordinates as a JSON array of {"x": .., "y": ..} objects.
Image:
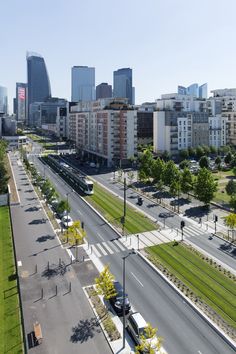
[
  {"x": 137, "y": 279},
  {"x": 101, "y": 249},
  {"x": 19, "y": 263},
  {"x": 100, "y": 237},
  {"x": 199, "y": 352}
]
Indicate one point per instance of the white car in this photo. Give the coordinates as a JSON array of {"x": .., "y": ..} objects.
[{"x": 66, "y": 221}]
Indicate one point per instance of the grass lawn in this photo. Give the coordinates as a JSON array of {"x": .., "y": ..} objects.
[
  {"x": 222, "y": 178},
  {"x": 10, "y": 323},
  {"x": 205, "y": 281},
  {"x": 112, "y": 209}
]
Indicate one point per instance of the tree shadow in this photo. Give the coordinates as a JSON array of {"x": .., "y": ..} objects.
[
  {"x": 85, "y": 330},
  {"x": 32, "y": 209},
  {"x": 36, "y": 222},
  {"x": 180, "y": 201},
  {"x": 54, "y": 270},
  {"x": 45, "y": 238},
  {"x": 198, "y": 211}
]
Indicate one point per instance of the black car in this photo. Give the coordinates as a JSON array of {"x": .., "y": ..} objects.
[
  {"x": 117, "y": 300},
  {"x": 140, "y": 201}
]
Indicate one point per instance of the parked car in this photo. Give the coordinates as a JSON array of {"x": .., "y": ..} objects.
[
  {"x": 136, "y": 325},
  {"x": 62, "y": 214},
  {"x": 67, "y": 221},
  {"x": 166, "y": 215},
  {"x": 117, "y": 300}
]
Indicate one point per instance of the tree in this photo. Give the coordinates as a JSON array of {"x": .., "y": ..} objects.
[
  {"x": 192, "y": 151},
  {"x": 234, "y": 171},
  {"x": 175, "y": 188},
  {"x": 204, "y": 162},
  {"x": 206, "y": 149},
  {"x": 76, "y": 233},
  {"x": 205, "y": 186},
  {"x": 105, "y": 283},
  {"x": 165, "y": 156},
  {"x": 231, "y": 187},
  {"x": 149, "y": 342},
  {"x": 218, "y": 161},
  {"x": 130, "y": 175},
  {"x": 146, "y": 162},
  {"x": 230, "y": 221},
  {"x": 183, "y": 164},
  {"x": 3, "y": 178},
  {"x": 170, "y": 173},
  {"x": 160, "y": 187},
  {"x": 46, "y": 186},
  {"x": 213, "y": 150},
  {"x": 233, "y": 201},
  {"x": 228, "y": 158},
  {"x": 184, "y": 154},
  {"x": 199, "y": 152},
  {"x": 158, "y": 169},
  {"x": 63, "y": 206},
  {"x": 186, "y": 181}
]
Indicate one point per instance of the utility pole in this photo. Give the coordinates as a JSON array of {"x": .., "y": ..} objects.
[
  {"x": 124, "y": 197},
  {"x": 182, "y": 225},
  {"x": 215, "y": 221}
]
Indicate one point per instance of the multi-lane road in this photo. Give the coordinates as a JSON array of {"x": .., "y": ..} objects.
[{"x": 183, "y": 329}]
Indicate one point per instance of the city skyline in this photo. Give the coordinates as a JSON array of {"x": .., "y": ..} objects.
[{"x": 166, "y": 44}]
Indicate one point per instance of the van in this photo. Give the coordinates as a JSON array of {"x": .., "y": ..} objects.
[{"x": 117, "y": 300}]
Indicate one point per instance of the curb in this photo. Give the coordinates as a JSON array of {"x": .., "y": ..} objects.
[{"x": 224, "y": 336}]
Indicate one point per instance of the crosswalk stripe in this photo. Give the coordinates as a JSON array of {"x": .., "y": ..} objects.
[
  {"x": 119, "y": 245},
  {"x": 105, "y": 245},
  {"x": 95, "y": 251},
  {"x": 102, "y": 250},
  {"x": 193, "y": 230},
  {"x": 114, "y": 247}
]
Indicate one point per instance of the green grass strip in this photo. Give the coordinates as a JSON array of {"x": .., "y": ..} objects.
[
  {"x": 197, "y": 280},
  {"x": 10, "y": 324},
  {"x": 112, "y": 209}
]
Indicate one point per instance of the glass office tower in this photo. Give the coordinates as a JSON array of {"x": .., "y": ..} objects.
[
  {"x": 122, "y": 84},
  {"x": 82, "y": 83},
  {"x": 3, "y": 100},
  {"x": 38, "y": 81}
]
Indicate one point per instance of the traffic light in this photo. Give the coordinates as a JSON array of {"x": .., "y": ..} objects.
[
  {"x": 182, "y": 224},
  {"x": 216, "y": 218},
  {"x": 82, "y": 225}
]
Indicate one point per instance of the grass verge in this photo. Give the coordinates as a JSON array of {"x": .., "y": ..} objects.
[
  {"x": 217, "y": 290},
  {"x": 103, "y": 314},
  {"x": 112, "y": 208},
  {"x": 10, "y": 323}
]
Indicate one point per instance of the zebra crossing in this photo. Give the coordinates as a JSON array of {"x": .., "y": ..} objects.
[
  {"x": 106, "y": 248},
  {"x": 142, "y": 240}
]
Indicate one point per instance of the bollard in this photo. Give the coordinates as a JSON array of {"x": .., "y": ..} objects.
[
  {"x": 91, "y": 249},
  {"x": 76, "y": 251},
  {"x": 42, "y": 293},
  {"x": 48, "y": 265},
  {"x": 59, "y": 262},
  {"x": 36, "y": 268},
  {"x": 56, "y": 290},
  {"x": 70, "y": 287},
  {"x": 83, "y": 258}
]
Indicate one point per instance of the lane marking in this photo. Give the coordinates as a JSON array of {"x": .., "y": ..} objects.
[
  {"x": 101, "y": 249},
  {"x": 100, "y": 237},
  {"x": 137, "y": 279}
]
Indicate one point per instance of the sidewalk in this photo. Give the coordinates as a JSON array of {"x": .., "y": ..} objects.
[{"x": 51, "y": 288}]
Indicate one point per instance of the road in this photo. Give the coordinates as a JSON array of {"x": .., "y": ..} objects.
[
  {"x": 45, "y": 274},
  {"x": 183, "y": 330}
]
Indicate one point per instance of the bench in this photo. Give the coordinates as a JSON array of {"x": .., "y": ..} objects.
[{"x": 38, "y": 332}]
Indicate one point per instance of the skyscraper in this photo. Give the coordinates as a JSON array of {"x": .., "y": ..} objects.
[
  {"x": 122, "y": 84},
  {"x": 194, "y": 90},
  {"x": 38, "y": 81},
  {"x": 3, "y": 100},
  {"x": 203, "y": 91},
  {"x": 21, "y": 102},
  {"x": 103, "y": 91},
  {"x": 82, "y": 83}
]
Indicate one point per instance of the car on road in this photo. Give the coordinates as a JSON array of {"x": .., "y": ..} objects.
[
  {"x": 166, "y": 215},
  {"x": 117, "y": 300},
  {"x": 66, "y": 221},
  {"x": 140, "y": 201},
  {"x": 136, "y": 325}
]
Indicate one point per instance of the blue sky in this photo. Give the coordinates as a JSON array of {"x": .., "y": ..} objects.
[{"x": 165, "y": 42}]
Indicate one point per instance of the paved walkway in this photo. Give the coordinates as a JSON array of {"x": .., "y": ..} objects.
[{"x": 51, "y": 288}]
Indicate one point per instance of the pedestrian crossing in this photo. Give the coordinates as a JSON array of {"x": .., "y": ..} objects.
[{"x": 142, "y": 240}]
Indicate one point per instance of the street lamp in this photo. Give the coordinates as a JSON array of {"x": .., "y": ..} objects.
[
  {"x": 215, "y": 221},
  {"x": 124, "y": 258},
  {"x": 182, "y": 225},
  {"x": 67, "y": 194}
]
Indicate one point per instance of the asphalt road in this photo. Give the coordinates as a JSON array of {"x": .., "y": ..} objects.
[
  {"x": 223, "y": 251},
  {"x": 67, "y": 320},
  {"x": 183, "y": 330}
]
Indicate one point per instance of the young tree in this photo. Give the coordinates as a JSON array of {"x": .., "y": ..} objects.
[
  {"x": 205, "y": 186},
  {"x": 206, "y": 149},
  {"x": 146, "y": 163},
  {"x": 170, "y": 173},
  {"x": 231, "y": 187},
  {"x": 166, "y": 156},
  {"x": 199, "y": 152},
  {"x": 234, "y": 171},
  {"x": 130, "y": 175},
  {"x": 175, "y": 188},
  {"x": 192, "y": 151},
  {"x": 230, "y": 221},
  {"x": 213, "y": 150},
  {"x": 160, "y": 187},
  {"x": 105, "y": 283},
  {"x": 186, "y": 181},
  {"x": 218, "y": 161},
  {"x": 76, "y": 233},
  {"x": 3, "y": 178},
  {"x": 233, "y": 201},
  {"x": 150, "y": 343},
  {"x": 183, "y": 164},
  {"x": 184, "y": 154},
  {"x": 204, "y": 162}
]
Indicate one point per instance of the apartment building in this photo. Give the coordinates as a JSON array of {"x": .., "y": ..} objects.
[{"x": 104, "y": 131}]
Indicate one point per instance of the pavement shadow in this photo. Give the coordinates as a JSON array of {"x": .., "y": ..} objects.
[
  {"x": 54, "y": 270},
  {"x": 29, "y": 190},
  {"x": 45, "y": 238},
  {"x": 180, "y": 201},
  {"x": 31, "y": 339},
  {"x": 85, "y": 330},
  {"x": 32, "y": 209},
  {"x": 36, "y": 222},
  {"x": 198, "y": 211}
]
